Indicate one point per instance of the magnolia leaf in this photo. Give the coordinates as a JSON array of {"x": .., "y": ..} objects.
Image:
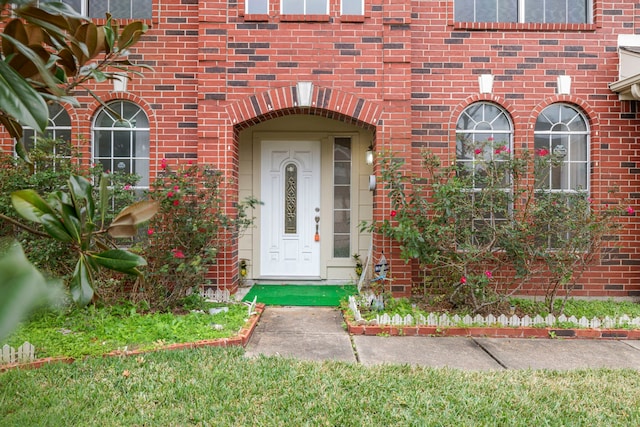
[
  {"x": 122, "y": 231},
  {"x": 119, "y": 260},
  {"x": 81, "y": 189},
  {"x": 131, "y": 34},
  {"x": 44, "y": 74},
  {"x": 16, "y": 29},
  {"x": 137, "y": 213},
  {"x": 22, "y": 287},
  {"x": 54, "y": 226},
  {"x": 81, "y": 284},
  {"x": 30, "y": 205},
  {"x": 20, "y": 101}
]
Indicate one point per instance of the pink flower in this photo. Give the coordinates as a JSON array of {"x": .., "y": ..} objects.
[
  {"x": 170, "y": 194},
  {"x": 176, "y": 202},
  {"x": 490, "y": 139},
  {"x": 463, "y": 280},
  {"x": 543, "y": 152},
  {"x": 488, "y": 274},
  {"x": 150, "y": 232},
  {"x": 163, "y": 164},
  {"x": 176, "y": 188},
  {"x": 589, "y": 200},
  {"x": 630, "y": 210},
  {"x": 503, "y": 149},
  {"x": 127, "y": 187},
  {"x": 477, "y": 151},
  {"x": 177, "y": 253},
  {"x": 190, "y": 162},
  {"x": 393, "y": 214}
]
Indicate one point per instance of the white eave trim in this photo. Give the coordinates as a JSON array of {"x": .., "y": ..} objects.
[{"x": 628, "y": 89}]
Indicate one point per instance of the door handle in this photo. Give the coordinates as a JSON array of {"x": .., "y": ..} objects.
[{"x": 317, "y": 219}]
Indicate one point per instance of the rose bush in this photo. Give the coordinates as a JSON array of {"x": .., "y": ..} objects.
[{"x": 485, "y": 234}]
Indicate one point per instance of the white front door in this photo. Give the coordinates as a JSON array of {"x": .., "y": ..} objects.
[{"x": 290, "y": 190}]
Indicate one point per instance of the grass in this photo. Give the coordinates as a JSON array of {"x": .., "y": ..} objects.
[
  {"x": 95, "y": 331},
  {"x": 213, "y": 386}
]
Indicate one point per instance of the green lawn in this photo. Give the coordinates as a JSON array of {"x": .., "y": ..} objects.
[
  {"x": 213, "y": 386},
  {"x": 94, "y": 331}
]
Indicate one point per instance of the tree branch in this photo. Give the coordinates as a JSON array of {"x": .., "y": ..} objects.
[{"x": 24, "y": 227}]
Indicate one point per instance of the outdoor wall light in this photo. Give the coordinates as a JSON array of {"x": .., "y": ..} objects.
[
  {"x": 368, "y": 155},
  {"x": 485, "y": 81}
]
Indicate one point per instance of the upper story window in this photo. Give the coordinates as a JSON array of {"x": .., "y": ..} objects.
[
  {"x": 258, "y": 7},
  {"x": 562, "y": 136},
  {"x": 121, "y": 140},
  {"x": 305, "y": 7},
  {"x": 352, "y": 7},
  {"x": 524, "y": 11},
  {"x": 120, "y": 9}
]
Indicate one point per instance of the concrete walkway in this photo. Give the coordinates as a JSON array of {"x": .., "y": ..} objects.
[{"x": 317, "y": 333}]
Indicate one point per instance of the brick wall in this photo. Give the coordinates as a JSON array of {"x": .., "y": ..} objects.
[{"x": 405, "y": 68}]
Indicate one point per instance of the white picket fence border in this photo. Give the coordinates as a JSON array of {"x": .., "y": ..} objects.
[
  {"x": 25, "y": 353},
  {"x": 444, "y": 320},
  {"x": 217, "y": 295}
]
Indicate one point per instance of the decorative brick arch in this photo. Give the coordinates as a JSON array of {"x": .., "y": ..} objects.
[{"x": 283, "y": 101}]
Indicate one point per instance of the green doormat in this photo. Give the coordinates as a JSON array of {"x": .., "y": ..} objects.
[{"x": 299, "y": 295}]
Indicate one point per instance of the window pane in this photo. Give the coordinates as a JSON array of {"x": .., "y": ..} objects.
[
  {"x": 342, "y": 197},
  {"x": 463, "y": 10},
  {"x": 352, "y": 7},
  {"x": 341, "y": 248},
  {"x": 342, "y": 149},
  {"x": 97, "y": 8},
  {"x": 555, "y": 11},
  {"x": 103, "y": 147},
  {"x": 578, "y": 12},
  {"x": 141, "y": 168},
  {"x": 292, "y": 7},
  {"x": 120, "y": 8},
  {"x": 486, "y": 11},
  {"x": 75, "y": 4},
  {"x": 142, "y": 9},
  {"x": 533, "y": 11},
  {"x": 316, "y": 7},
  {"x": 578, "y": 149},
  {"x": 507, "y": 10},
  {"x": 121, "y": 145},
  {"x": 342, "y": 173},
  {"x": 341, "y": 221},
  {"x": 257, "y": 6}
]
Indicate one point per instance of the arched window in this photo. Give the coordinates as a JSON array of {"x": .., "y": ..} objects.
[
  {"x": 55, "y": 143},
  {"x": 121, "y": 140},
  {"x": 483, "y": 148},
  {"x": 562, "y": 136},
  {"x": 58, "y": 128},
  {"x": 483, "y": 133}
]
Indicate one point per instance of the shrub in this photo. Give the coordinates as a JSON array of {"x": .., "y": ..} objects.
[
  {"x": 185, "y": 236},
  {"x": 482, "y": 235}
]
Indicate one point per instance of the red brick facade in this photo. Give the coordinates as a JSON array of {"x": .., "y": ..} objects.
[{"x": 403, "y": 72}]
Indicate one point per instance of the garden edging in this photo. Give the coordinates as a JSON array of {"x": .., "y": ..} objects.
[
  {"x": 490, "y": 332},
  {"x": 239, "y": 340}
]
